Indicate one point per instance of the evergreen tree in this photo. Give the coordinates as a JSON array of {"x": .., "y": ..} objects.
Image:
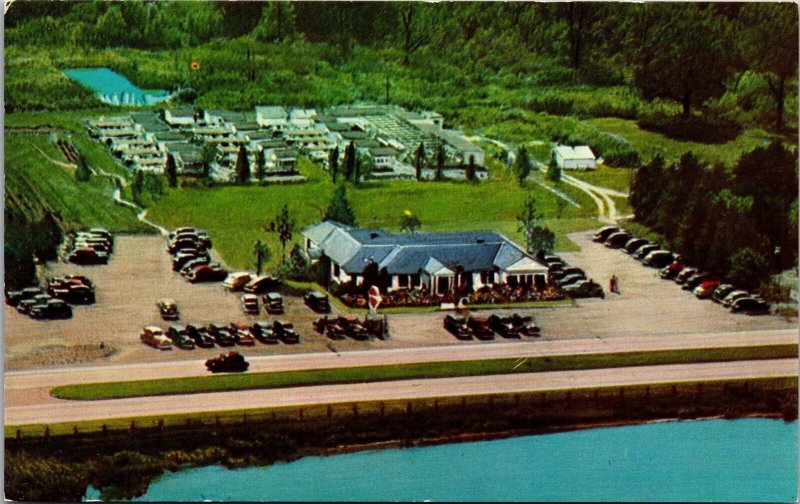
[
  {"x": 522, "y": 165},
  {"x": 260, "y": 164},
  {"x": 171, "y": 171},
  {"x": 349, "y": 164},
  {"x": 263, "y": 254},
  {"x": 554, "y": 171},
  {"x": 440, "y": 158},
  {"x": 419, "y": 160},
  {"x": 470, "y": 171},
  {"x": 242, "y": 166},
  {"x": 339, "y": 209},
  {"x": 333, "y": 163},
  {"x": 137, "y": 187},
  {"x": 82, "y": 172},
  {"x": 209, "y": 155}
]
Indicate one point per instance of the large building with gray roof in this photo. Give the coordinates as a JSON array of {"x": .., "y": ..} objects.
[{"x": 437, "y": 262}]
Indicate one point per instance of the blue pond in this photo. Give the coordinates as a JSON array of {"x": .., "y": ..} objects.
[
  {"x": 115, "y": 89},
  {"x": 747, "y": 460}
]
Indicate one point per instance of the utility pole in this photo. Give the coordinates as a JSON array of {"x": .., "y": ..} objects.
[{"x": 387, "y": 89}]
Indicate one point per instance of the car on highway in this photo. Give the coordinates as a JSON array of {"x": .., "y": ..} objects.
[
  {"x": 200, "y": 336},
  {"x": 273, "y": 303},
  {"x": 504, "y": 326},
  {"x": 603, "y": 233},
  {"x": 526, "y": 325},
  {"x": 179, "y": 337},
  {"x": 221, "y": 334},
  {"x": 480, "y": 328},
  {"x": 585, "y": 289},
  {"x": 263, "y": 332},
  {"x": 250, "y": 304},
  {"x": 750, "y": 306},
  {"x": 228, "y": 362},
  {"x": 658, "y": 258},
  {"x": 285, "y": 332},
  {"x": 155, "y": 337},
  {"x": 51, "y": 309},
  {"x": 317, "y": 301},
  {"x": 236, "y": 281},
  {"x": 721, "y": 291},
  {"x": 705, "y": 289},
  {"x": 241, "y": 334},
  {"x": 457, "y": 326},
  {"x": 168, "y": 309}
]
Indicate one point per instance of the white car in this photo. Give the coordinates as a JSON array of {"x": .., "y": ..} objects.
[{"x": 236, "y": 281}]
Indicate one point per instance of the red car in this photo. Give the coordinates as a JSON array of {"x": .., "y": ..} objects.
[
  {"x": 207, "y": 273},
  {"x": 706, "y": 288}
]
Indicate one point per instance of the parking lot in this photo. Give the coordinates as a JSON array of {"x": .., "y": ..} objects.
[{"x": 140, "y": 273}]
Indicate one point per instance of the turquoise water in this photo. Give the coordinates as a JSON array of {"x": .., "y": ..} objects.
[
  {"x": 114, "y": 88},
  {"x": 746, "y": 460}
]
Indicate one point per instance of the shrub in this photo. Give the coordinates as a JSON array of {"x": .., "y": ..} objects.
[{"x": 705, "y": 129}]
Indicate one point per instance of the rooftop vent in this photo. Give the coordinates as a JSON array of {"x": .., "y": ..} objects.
[{"x": 373, "y": 235}]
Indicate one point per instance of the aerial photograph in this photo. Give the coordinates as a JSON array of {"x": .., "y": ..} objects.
[{"x": 409, "y": 251}]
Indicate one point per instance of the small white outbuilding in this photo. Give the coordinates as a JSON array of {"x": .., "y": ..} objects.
[{"x": 579, "y": 157}]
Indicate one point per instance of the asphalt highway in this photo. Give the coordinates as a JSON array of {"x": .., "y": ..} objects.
[{"x": 73, "y": 411}]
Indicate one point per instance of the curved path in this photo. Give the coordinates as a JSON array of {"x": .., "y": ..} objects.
[{"x": 73, "y": 411}]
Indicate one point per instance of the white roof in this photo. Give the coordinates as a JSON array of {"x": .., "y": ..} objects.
[
  {"x": 578, "y": 152},
  {"x": 303, "y": 114},
  {"x": 271, "y": 112}
]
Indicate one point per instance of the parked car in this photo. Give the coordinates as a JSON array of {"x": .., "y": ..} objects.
[
  {"x": 376, "y": 326},
  {"x": 72, "y": 290},
  {"x": 193, "y": 263},
  {"x": 695, "y": 280},
  {"x": 14, "y": 297},
  {"x": 671, "y": 270},
  {"x": 332, "y": 328},
  {"x": 200, "y": 336},
  {"x": 354, "y": 328},
  {"x": 584, "y": 289},
  {"x": 285, "y": 332},
  {"x": 241, "y": 334},
  {"x": 571, "y": 279},
  {"x": 262, "y": 284},
  {"x": 51, "y": 309},
  {"x": 705, "y": 289},
  {"x": 317, "y": 301},
  {"x": 229, "y": 362},
  {"x": 102, "y": 232},
  {"x": 185, "y": 244},
  {"x": 88, "y": 256},
  {"x": 250, "y": 304},
  {"x": 721, "y": 291},
  {"x": 263, "y": 332},
  {"x": 179, "y": 337},
  {"x": 221, "y": 334},
  {"x": 207, "y": 273},
  {"x": 634, "y": 243},
  {"x": 603, "y": 233},
  {"x": 181, "y": 258},
  {"x": 273, "y": 302},
  {"x": 503, "y": 326},
  {"x": 96, "y": 245},
  {"x": 168, "y": 309},
  {"x": 526, "y": 325},
  {"x": 25, "y": 305},
  {"x": 642, "y": 251},
  {"x": 658, "y": 259},
  {"x": 573, "y": 270},
  {"x": 681, "y": 277},
  {"x": 480, "y": 328},
  {"x": 154, "y": 336},
  {"x": 457, "y": 326},
  {"x": 618, "y": 239},
  {"x": 236, "y": 281},
  {"x": 733, "y": 296},
  {"x": 750, "y": 306}
]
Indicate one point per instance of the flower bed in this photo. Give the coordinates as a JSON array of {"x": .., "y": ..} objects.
[{"x": 496, "y": 294}]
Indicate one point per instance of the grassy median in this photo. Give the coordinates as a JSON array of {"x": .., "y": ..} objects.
[{"x": 248, "y": 381}]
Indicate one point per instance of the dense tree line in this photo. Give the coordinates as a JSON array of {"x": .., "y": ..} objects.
[
  {"x": 740, "y": 225},
  {"x": 686, "y": 52}
]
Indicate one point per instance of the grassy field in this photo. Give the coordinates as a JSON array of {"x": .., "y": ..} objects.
[
  {"x": 236, "y": 216},
  {"x": 142, "y": 388},
  {"x": 648, "y": 144},
  {"x": 618, "y": 179},
  {"x": 80, "y": 204}
]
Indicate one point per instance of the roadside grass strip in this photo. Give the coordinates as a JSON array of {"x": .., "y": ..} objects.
[
  {"x": 365, "y": 374},
  {"x": 346, "y": 410}
]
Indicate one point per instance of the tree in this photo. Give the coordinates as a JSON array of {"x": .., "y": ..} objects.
[
  {"x": 82, "y": 172},
  {"x": 262, "y": 253},
  {"x": 413, "y": 37},
  {"x": 278, "y": 22},
  {"x": 339, "y": 209},
  {"x": 333, "y": 163},
  {"x": 469, "y": 173},
  {"x": 171, "y": 171},
  {"x": 419, "y": 160},
  {"x": 409, "y": 222},
  {"x": 284, "y": 226},
  {"x": 111, "y": 28},
  {"x": 554, "y": 171},
  {"x": 768, "y": 43},
  {"x": 349, "y": 165},
  {"x": 747, "y": 268},
  {"x": 242, "y": 166},
  {"x": 260, "y": 164},
  {"x": 537, "y": 237},
  {"x": 522, "y": 165},
  {"x": 209, "y": 155},
  {"x": 440, "y": 158},
  {"x": 137, "y": 187}
]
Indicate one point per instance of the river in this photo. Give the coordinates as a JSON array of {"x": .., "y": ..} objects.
[{"x": 746, "y": 460}]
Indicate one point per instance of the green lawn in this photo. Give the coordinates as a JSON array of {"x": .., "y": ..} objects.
[
  {"x": 236, "y": 216},
  {"x": 81, "y": 204},
  {"x": 649, "y": 144},
  {"x": 141, "y": 388},
  {"x": 618, "y": 179}
]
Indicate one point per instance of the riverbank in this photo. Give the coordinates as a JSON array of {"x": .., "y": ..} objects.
[{"x": 123, "y": 463}]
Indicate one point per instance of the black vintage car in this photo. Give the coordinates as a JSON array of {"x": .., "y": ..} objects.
[
  {"x": 504, "y": 326},
  {"x": 262, "y": 331},
  {"x": 354, "y": 328},
  {"x": 200, "y": 336},
  {"x": 221, "y": 334},
  {"x": 180, "y": 338},
  {"x": 52, "y": 309},
  {"x": 480, "y": 328},
  {"x": 229, "y": 362},
  {"x": 13, "y": 298},
  {"x": 457, "y": 326},
  {"x": 526, "y": 325},
  {"x": 317, "y": 301},
  {"x": 584, "y": 289},
  {"x": 335, "y": 329},
  {"x": 285, "y": 332}
]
